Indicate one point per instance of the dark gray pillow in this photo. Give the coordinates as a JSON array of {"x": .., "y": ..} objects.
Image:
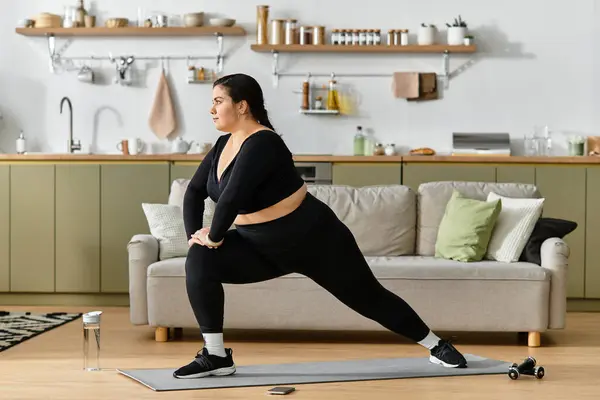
[{"x": 545, "y": 228}]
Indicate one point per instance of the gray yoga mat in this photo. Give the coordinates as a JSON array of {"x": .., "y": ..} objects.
[{"x": 316, "y": 372}]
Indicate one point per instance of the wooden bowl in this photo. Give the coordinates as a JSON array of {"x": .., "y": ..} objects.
[{"x": 117, "y": 22}]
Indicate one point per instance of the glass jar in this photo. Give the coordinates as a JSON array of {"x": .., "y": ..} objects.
[
  {"x": 333, "y": 100},
  {"x": 277, "y": 33},
  {"x": 262, "y": 21},
  {"x": 379, "y": 150},
  {"x": 290, "y": 31}
]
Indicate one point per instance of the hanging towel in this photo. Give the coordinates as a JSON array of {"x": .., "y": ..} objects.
[
  {"x": 405, "y": 85},
  {"x": 428, "y": 89},
  {"x": 162, "y": 120}
]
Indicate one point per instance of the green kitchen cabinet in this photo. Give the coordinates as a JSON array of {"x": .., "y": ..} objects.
[
  {"x": 32, "y": 227},
  {"x": 515, "y": 174},
  {"x": 592, "y": 234},
  {"x": 564, "y": 188},
  {"x": 366, "y": 174},
  {"x": 183, "y": 170},
  {"x": 78, "y": 228},
  {"x": 123, "y": 188},
  {"x": 415, "y": 174},
  {"x": 4, "y": 228}
]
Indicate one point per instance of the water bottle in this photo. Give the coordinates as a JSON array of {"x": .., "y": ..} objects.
[{"x": 91, "y": 341}]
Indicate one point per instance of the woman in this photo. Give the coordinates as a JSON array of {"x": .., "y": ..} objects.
[{"x": 250, "y": 174}]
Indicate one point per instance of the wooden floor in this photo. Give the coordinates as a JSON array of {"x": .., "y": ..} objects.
[{"x": 49, "y": 365}]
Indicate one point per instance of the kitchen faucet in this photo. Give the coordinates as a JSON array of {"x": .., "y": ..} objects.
[{"x": 71, "y": 145}]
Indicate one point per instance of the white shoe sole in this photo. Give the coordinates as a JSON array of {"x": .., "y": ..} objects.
[
  {"x": 217, "y": 372},
  {"x": 436, "y": 360}
]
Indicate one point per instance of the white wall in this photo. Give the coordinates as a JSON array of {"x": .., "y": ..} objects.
[{"x": 535, "y": 66}]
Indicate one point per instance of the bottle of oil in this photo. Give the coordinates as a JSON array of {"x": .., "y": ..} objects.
[
  {"x": 333, "y": 99},
  {"x": 359, "y": 142}
]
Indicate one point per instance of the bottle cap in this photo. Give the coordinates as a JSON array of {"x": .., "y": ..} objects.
[{"x": 92, "y": 317}]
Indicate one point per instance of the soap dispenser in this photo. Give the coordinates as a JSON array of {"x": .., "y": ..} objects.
[{"x": 21, "y": 144}]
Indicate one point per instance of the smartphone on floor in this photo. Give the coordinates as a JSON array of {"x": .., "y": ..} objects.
[{"x": 281, "y": 390}]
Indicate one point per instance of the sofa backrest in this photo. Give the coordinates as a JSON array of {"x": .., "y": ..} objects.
[
  {"x": 381, "y": 218},
  {"x": 432, "y": 198}
]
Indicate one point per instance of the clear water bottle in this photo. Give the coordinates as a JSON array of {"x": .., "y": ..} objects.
[{"x": 91, "y": 341}]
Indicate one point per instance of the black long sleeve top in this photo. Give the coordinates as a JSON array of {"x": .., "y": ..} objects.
[{"x": 260, "y": 175}]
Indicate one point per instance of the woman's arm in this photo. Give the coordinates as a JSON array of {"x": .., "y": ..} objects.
[
  {"x": 258, "y": 157},
  {"x": 195, "y": 194}
]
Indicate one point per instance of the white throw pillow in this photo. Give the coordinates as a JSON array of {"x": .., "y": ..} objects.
[
  {"x": 166, "y": 225},
  {"x": 513, "y": 228}
]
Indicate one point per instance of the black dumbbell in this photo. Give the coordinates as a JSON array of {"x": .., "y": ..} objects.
[{"x": 527, "y": 367}]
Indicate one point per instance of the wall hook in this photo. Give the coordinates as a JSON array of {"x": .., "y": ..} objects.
[{"x": 219, "y": 52}]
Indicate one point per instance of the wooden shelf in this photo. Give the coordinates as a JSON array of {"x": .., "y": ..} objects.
[
  {"x": 134, "y": 31},
  {"x": 330, "y": 48}
]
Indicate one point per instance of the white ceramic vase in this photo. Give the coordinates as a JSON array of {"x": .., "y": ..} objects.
[
  {"x": 456, "y": 35},
  {"x": 426, "y": 35}
]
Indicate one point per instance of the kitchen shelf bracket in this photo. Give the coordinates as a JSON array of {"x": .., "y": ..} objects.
[{"x": 444, "y": 76}]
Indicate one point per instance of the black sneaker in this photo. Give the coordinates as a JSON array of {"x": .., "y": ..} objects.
[
  {"x": 207, "y": 364},
  {"x": 446, "y": 355}
]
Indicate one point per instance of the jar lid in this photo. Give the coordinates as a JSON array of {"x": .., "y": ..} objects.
[{"x": 92, "y": 317}]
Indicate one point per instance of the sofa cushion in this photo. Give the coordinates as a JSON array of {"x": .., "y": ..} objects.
[
  {"x": 466, "y": 228},
  {"x": 513, "y": 228},
  {"x": 433, "y": 197},
  {"x": 166, "y": 225},
  {"x": 381, "y": 218},
  {"x": 405, "y": 267}
]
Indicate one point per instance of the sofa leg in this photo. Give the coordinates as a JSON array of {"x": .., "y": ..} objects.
[
  {"x": 161, "y": 334},
  {"x": 534, "y": 339}
]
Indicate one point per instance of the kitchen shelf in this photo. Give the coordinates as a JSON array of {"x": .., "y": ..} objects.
[
  {"x": 332, "y": 48},
  {"x": 444, "y": 49},
  {"x": 134, "y": 31}
]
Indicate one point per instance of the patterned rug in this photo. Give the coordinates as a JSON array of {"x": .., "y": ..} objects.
[{"x": 17, "y": 327}]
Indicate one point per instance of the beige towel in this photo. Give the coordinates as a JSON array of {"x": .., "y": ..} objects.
[
  {"x": 162, "y": 116},
  {"x": 405, "y": 85},
  {"x": 428, "y": 89}
]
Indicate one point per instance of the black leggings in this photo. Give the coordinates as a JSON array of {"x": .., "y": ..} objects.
[{"x": 263, "y": 251}]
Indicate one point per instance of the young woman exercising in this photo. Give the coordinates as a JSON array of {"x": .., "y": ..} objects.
[{"x": 250, "y": 174}]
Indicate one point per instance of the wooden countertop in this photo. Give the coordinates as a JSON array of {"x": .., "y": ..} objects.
[{"x": 306, "y": 158}]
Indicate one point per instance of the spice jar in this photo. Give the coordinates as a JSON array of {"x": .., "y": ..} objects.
[
  {"x": 390, "y": 149},
  {"x": 318, "y": 103},
  {"x": 390, "y": 37},
  {"x": 335, "y": 36},
  {"x": 404, "y": 37},
  {"x": 200, "y": 74},
  {"x": 379, "y": 150}
]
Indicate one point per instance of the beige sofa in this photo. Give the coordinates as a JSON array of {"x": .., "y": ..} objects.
[{"x": 396, "y": 230}]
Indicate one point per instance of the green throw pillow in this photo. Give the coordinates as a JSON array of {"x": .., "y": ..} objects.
[{"x": 466, "y": 228}]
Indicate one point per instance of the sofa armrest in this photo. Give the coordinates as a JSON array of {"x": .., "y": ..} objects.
[
  {"x": 555, "y": 258},
  {"x": 143, "y": 251}
]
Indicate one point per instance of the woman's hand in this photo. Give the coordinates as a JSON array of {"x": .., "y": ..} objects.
[{"x": 201, "y": 238}]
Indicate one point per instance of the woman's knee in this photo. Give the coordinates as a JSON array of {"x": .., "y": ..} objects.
[{"x": 201, "y": 263}]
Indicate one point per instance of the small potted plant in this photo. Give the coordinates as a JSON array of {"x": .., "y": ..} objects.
[
  {"x": 457, "y": 31},
  {"x": 469, "y": 40},
  {"x": 426, "y": 34}
]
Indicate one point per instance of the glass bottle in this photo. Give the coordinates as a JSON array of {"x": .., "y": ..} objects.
[
  {"x": 333, "y": 99},
  {"x": 91, "y": 346},
  {"x": 359, "y": 142}
]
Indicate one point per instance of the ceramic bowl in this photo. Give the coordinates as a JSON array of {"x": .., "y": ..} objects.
[
  {"x": 221, "y": 21},
  {"x": 193, "y": 19}
]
